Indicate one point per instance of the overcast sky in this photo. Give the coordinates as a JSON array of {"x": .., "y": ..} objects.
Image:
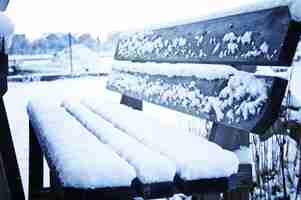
[{"x": 99, "y": 17}]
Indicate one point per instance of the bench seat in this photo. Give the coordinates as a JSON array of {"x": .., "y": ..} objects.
[
  {"x": 150, "y": 166},
  {"x": 146, "y": 168},
  {"x": 71, "y": 150},
  {"x": 211, "y": 161}
]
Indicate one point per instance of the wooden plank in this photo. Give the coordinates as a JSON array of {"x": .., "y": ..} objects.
[
  {"x": 206, "y": 186},
  {"x": 57, "y": 190},
  {"x": 233, "y": 139},
  {"x": 229, "y": 138},
  {"x": 3, "y": 85},
  {"x": 3, "y": 73},
  {"x": 266, "y": 37},
  {"x": 4, "y": 189},
  {"x": 218, "y": 100},
  {"x": 36, "y": 165},
  {"x": 131, "y": 102},
  {"x": 3, "y": 64},
  {"x": 8, "y": 155},
  {"x": 117, "y": 193},
  {"x": 153, "y": 190}
]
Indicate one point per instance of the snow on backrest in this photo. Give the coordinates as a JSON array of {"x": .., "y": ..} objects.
[
  {"x": 166, "y": 66},
  {"x": 265, "y": 37},
  {"x": 234, "y": 98}
]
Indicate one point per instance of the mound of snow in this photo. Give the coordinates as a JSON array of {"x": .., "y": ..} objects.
[{"x": 83, "y": 60}]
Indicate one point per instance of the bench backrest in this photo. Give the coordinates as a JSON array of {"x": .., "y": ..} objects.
[{"x": 163, "y": 66}]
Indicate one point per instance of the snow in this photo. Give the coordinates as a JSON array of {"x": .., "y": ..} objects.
[
  {"x": 246, "y": 38},
  {"x": 295, "y": 116},
  {"x": 294, "y": 7},
  {"x": 202, "y": 71},
  {"x": 229, "y": 37},
  {"x": 6, "y": 28},
  {"x": 77, "y": 162},
  {"x": 16, "y": 100},
  {"x": 211, "y": 161},
  {"x": 264, "y": 47},
  {"x": 244, "y": 95},
  {"x": 150, "y": 166},
  {"x": 83, "y": 60},
  {"x": 244, "y": 155}
]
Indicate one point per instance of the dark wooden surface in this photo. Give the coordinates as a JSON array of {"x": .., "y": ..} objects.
[
  {"x": 167, "y": 92},
  {"x": 229, "y": 138},
  {"x": 36, "y": 165},
  {"x": 131, "y": 102},
  {"x": 3, "y": 73},
  {"x": 154, "y": 190},
  {"x": 205, "y": 41},
  {"x": 8, "y": 155},
  {"x": 4, "y": 189},
  {"x": 213, "y": 185}
]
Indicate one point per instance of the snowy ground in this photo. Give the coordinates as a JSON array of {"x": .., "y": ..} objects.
[{"x": 84, "y": 60}]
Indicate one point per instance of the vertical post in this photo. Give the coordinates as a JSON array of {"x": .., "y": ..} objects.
[
  {"x": 234, "y": 139},
  {"x": 36, "y": 173},
  {"x": 70, "y": 52},
  {"x": 4, "y": 189},
  {"x": 8, "y": 155}
]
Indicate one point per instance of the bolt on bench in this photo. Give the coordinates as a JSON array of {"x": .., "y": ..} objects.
[{"x": 98, "y": 149}]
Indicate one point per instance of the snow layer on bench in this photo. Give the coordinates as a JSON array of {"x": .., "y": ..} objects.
[
  {"x": 201, "y": 71},
  {"x": 195, "y": 157},
  {"x": 151, "y": 167},
  {"x": 81, "y": 160},
  {"x": 294, "y": 7}
]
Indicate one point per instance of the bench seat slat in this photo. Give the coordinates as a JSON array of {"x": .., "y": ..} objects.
[
  {"x": 265, "y": 37},
  {"x": 168, "y": 141},
  {"x": 237, "y": 99},
  {"x": 150, "y": 166},
  {"x": 80, "y": 159}
]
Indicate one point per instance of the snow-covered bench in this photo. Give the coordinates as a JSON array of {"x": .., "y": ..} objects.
[{"x": 103, "y": 149}]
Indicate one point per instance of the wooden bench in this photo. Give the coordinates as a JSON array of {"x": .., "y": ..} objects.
[{"x": 163, "y": 66}]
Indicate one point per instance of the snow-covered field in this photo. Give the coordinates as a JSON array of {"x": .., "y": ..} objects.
[{"x": 84, "y": 60}]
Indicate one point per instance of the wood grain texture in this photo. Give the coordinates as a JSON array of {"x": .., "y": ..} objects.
[{"x": 266, "y": 37}]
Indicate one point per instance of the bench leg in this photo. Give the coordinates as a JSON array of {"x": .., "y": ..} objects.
[
  {"x": 36, "y": 170},
  {"x": 238, "y": 194},
  {"x": 206, "y": 197},
  {"x": 233, "y": 139}
]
